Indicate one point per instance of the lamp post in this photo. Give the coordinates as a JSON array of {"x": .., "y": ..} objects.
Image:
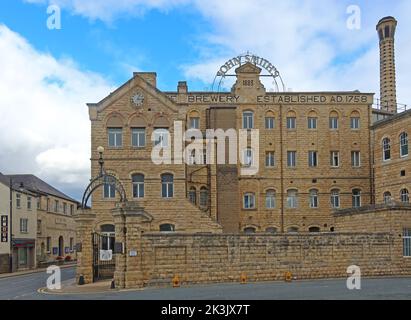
[
  {"x": 100, "y": 150},
  {"x": 11, "y": 227}
]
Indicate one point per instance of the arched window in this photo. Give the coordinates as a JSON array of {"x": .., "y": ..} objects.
[
  {"x": 314, "y": 230},
  {"x": 386, "y": 149},
  {"x": 292, "y": 199},
  {"x": 334, "y": 120},
  {"x": 291, "y": 120},
  {"x": 107, "y": 237},
  {"x": 138, "y": 132},
  {"x": 313, "y": 198},
  {"x": 356, "y": 198},
  {"x": 335, "y": 198},
  {"x": 192, "y": 195},
  {"x": 203, "y": 197},
  {"x": 250, "y": 230},
  {"x": 355, "y": 120},
  {"x": 269, "y": 120},
  {"x": 138, "y": 185},
  {"x": 405, "y": 196},
  {"x": 249, "y": 201},
  {"x": 292, "y": 230},
  {"x": 109, "y": 190},
  {"x": 248, "y": 120},
  {"x": 404, "y": 144},
  {"x": 167, "y": 185},
  {"x": 194, "y": 120},
  {"x": 270, "y": 199},
  {"x": 115, "y": 132},
  {"x": 312, "y": 120},
  {"x": 248, "y": 155},
  {"x": 387, "y": 197},
  {"x": 167, "y": 227},
  {"x": 271, "y": 230}
]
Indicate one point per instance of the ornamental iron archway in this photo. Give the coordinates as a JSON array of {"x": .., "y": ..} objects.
[
  {"x": 272, "y": 71},
  {"x": 103, "y": 179}
]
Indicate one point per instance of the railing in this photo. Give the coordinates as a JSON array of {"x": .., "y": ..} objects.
[{"x": 384, "y": 106}]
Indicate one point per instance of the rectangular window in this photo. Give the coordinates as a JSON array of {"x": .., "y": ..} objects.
[
  {"x": 18, "y": 200},
  {"x": 39, "y": 203},
  {"x": 335, "y": 159},
  {"x": 64, "y": 208},
  {"x": 269, "y": 123},
  {"x": 291, "y": 123},
  {"x": 248, "y": 157},
  {"x": 48, "y": 246},
  {"x": 407, "y": 243},
  {"x": 270, "y": 159},
  {"x": 355, "y": 123},
  {"x": 71, "y": 209},
  {"x": 115, "y": 137},
  {"x": 109, "y": 191},
  {"x": 39, "y": 226},
  {"x": 249, "y": 201},
  {"x": 48, "y": 205},
  {"x": 56, "y": 206},
  {"x": 356, "y": 159},
  {"x": 195, "y": 123},
  {"x": 291, "y": 159},
  {"x": 313, "y": 159},
  {"x": 292, "y": 199},
  {"x": 28, "y": 203},
  {"x": 333, "y": 123},
  {"x": 312, "y": 123},
  {"x": 138, "y": 137},
  {"x": 248, "y": 120},
  {"x": 161, "y": 137},
  {"x": 24, "y": 225}
]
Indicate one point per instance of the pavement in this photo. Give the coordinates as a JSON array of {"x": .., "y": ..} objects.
[
  {"x": 32, "y": 287},
  {"x": 31, "y": 271}
]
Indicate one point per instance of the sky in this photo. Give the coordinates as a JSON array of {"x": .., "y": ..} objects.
[{"x": 47, "y": 75}]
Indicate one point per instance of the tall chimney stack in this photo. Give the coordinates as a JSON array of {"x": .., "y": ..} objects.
[{"x": 386, "y": 31}]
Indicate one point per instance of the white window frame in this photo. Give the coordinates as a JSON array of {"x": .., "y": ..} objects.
[
  {"x": 335, "y": 157},
  {"x": 386, "y": 149},
  {"x": 24, "y": 225},
  {"x": 314, "y": 199},
  {"x": 138, "y": 135},
  {"x": 406, "y": 237},
  {"x": 111, "y": 191},
  {"x": 334, "y": 123},
  {"x": 248, "y": 120},
  {"x": 312, "y": 123},
  {"x": 292, "y": 199},
  {"x": 291, "y": 159},
  {"x": 270, "y": 202},
  {"x": 248, "y": 157},
  {"x": 404, "y": 144},
  {"x": 270, "y": 159},
  {"x": 356, "y": 159},
  {"x": 335, "y": 199},
  {"x": 18, "y": 200},
  {"x": 138, "y": 186},
  {"x": 313, "y": 159},
  {"x": 405, "y": 196},
  {"x": 161, "y": 137},
  {"x": 387, "y": 197},
  {"x": 356, "y": 199},
  {"x": 117, "y": 134},
  {"x": 194, "y": 122},
  {"x": 355, "y": 123},
  {"x": 291, "y": 123},
  {"x": 251, "y": 201},
  {"x": 269, "y": 123}
]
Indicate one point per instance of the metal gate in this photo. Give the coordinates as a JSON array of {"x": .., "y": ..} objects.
[{"x": 103, "y": 258}]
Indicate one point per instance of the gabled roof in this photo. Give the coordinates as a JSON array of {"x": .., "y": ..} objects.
[{"x": 36, "y": 185}]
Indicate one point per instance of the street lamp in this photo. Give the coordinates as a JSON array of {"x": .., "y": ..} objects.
[
  {"x": 100, "y": 150},
  {"x": 11, "y": 227}
]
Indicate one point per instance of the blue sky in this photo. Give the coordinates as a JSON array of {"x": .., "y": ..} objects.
[{"x": 49, "y": 75}]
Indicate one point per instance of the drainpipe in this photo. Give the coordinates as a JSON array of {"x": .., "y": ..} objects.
[
  {"x": 282, "y": 168},
  {"x": 11, "y": 227}
]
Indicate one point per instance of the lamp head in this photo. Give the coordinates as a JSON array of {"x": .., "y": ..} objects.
[{"x": 100, "y": 149}]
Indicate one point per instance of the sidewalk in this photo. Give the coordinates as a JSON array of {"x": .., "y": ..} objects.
[
  {"x": 22, "y": 273},
  {"x": 70, "y": 287}
]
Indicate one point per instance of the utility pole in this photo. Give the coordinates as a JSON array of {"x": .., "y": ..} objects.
[{"x": 11, "y": 227}]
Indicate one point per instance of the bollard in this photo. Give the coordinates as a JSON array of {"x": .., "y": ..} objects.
[
  {"x": 113, "y": 285},
  {"x": 288, "y": 277},
  {"x": 81, "y": 280},
  {"x": 243, "y": 278},
  {"x": 176, "y": 282}
]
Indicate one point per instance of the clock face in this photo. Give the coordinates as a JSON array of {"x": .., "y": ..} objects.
[{"x": 138, "y": 99}]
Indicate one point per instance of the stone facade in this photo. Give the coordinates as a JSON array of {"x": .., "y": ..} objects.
[{"x": 392, "y": 175}]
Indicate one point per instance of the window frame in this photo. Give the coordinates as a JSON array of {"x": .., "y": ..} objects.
[
  {"x": 270, "y": 199},
  {"x": 291, "y": 123},
  {"x": 117, "y": 134},
  {"x": 138, "y": 186},
  {"x": 312, "y": 123},
  {"x": 138, "y": 134},
  {"x": 406, "y": 237},
  {"x": 270, "y": 159},
  {"x": 356, "y": 160},
  {"x": 333, "y": 158},
  {"x": 314, "y": 199},
  {"x": 248, "y": 120},
  {"x": 404, "y": 143},
  {"x": 386, "y": 149},
  {"x": 292, "y": 200},
  {"x": 167, "y": 187},
  {"x": 249, "y": 196},
  {"x": 355, "y": 123},
  {"x": 405, "y": 196},
  {"x": 292, "y": 161},
  {"x": 356, "y": 198},
  {"x": 269, "y": 123},
  {"x": 335, "y": 199},
  {"x": 313, "y": 159}
]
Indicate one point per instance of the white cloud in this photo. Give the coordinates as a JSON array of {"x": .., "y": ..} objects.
[{"x": 43, "y": 116}]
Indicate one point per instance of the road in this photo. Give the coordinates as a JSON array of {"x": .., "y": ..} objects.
[{"x": 25, "y": 287}]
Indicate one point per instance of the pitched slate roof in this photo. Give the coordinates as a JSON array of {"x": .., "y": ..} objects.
[{"x": 36, "y": 185}]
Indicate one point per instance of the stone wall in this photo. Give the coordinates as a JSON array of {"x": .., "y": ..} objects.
[{"x": 198, "y": 258}]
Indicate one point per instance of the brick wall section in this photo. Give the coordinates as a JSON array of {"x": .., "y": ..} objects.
[{"x": 224, "y": 258}]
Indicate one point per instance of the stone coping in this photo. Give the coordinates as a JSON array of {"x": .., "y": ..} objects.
[{"x": 373, "y": 208}]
